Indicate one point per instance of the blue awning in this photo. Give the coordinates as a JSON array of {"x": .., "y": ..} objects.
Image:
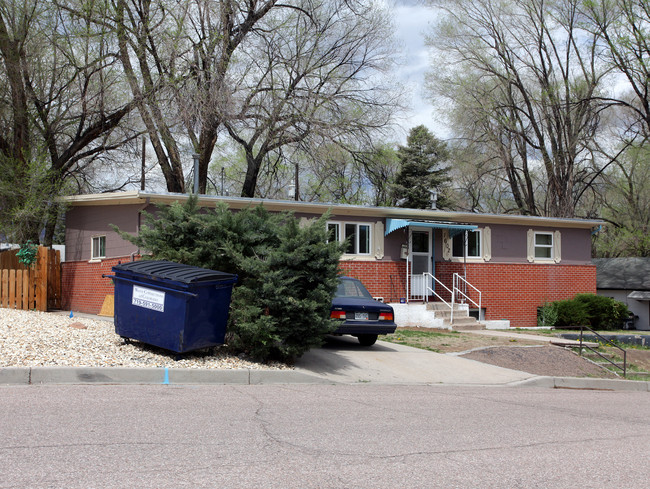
[{"x": 454, "y": 228}]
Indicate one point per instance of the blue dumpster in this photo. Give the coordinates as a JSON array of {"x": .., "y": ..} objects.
[{"x": 170, "y": 305}]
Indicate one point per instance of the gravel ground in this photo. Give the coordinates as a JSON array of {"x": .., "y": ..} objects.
[
  {"x": 540, "y": 360},
  {"x": 36, "y": 339}
]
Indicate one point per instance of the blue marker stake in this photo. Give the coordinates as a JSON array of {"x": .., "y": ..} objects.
[{"x": 166, "y": 379}]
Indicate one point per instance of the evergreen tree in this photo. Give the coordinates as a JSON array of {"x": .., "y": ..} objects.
[
  {"x": 287, "y": 273},
  {"x": 421, "y": 171}
]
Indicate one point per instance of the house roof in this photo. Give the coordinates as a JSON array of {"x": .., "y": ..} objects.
[
  {"x": 142, "y": 197},
  {"x": 623, "y": 273}
]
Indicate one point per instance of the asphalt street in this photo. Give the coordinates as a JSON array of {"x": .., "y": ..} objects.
[{"x": 321, "y": 436}]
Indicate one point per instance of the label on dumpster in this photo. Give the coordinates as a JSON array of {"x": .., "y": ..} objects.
[{"x": 148, "y": 298}]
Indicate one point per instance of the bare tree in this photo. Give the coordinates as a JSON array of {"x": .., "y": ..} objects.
[
  {"x": 625, "y": 205},
  {"x": 312, "y": 75},
  {"x": 333, "y": 175},
  {"x": 62, "y": 107},
  {"x": 623, "y": 27},
  {"x": 177, "y": 57},
  {"x": 527, "y": 74}
]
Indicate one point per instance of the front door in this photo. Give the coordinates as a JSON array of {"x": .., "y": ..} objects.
[{"x": 420, "y": 258}]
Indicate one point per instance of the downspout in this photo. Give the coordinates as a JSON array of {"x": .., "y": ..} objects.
[
  {"x": 465, "y": 243},
  {"x": 433, "y": 265},
  {"x": 408, "y": 259},
  {"x": 465, "y": 255}
]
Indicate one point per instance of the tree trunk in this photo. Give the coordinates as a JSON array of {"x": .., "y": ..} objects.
[{"x": 250, "y": 182}]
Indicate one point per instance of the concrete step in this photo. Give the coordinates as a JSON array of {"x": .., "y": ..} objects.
[
  {"x": 468, "y": 327},
  {"x": 466, "y": 323},
  {"x": 441, "y": 306},
  {"x": 572, "y": 343},
  {"x": 444, "y": 314}
]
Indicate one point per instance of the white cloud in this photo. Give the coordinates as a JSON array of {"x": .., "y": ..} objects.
[{"x": 412, "y": 22}]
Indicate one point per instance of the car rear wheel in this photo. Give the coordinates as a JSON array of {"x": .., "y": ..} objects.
[{"x": 367, "y": 339}]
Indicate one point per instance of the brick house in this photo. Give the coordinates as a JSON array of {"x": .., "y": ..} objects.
[{"x": 405, "y": 256}]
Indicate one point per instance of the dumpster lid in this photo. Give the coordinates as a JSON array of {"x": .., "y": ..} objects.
[{"x": 177, "y": 272}]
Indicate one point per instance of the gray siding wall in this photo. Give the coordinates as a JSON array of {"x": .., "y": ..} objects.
[
  {"x": 508, "y": 241},
  {"x": 508, "y": 244},
  {"x": 84, "y": 222}
]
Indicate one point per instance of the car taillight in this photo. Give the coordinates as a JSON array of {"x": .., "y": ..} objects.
[
  {"x": 385, "y": 316},
  {"x": 337, "y": 314}
]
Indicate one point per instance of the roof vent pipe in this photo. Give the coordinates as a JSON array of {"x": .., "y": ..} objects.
[
  {"x": 196, "y": 173},
  {"x": 434, "y": 199}
]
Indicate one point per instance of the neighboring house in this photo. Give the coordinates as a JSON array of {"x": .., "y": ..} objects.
[
  {"x": 516, "y": 262},
  {"x": 627, "y": 280}
]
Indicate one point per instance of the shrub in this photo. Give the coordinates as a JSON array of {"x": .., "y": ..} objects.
[
  {"x": 282, "y": 309},
  {"x": 571, "y": 313},
  {"x": 287, "y": 273},
  {"x": 604, "y": 312},
  {"x": 547, "y": 315},
  {"x": 591, "y": 310}
]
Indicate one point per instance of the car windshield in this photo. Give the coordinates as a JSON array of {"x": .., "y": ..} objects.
[{"x": 352, "y": 288}]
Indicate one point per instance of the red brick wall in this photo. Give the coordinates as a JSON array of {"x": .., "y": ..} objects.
[
  {"x": 515, "y": 291},
  {"x": 510, "y": 291},
  {"x": 84, "y": 289},
  {"x": 385, "y": 279}
]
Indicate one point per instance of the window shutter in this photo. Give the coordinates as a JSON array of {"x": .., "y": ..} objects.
[
  {"x": 379, "y": 240},
  {"x": 486, "y": 235},
  {"x": 557, "y": 247},
  {"x": 304, "y": 222},
  {"x": 446, "y": 245},
  {"x": 531, "y": 245}
]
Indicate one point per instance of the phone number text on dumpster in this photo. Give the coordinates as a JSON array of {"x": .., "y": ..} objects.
[{"x": 148, "y": 298}]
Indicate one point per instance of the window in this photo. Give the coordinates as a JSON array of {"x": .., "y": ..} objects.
[
  {"x": 544, "y": 246},
  {"x": 476, "y": 248},
  {"x": 333, "y": 231},
  {"x": 356, "y": 235},
  {"x": 98, "y": 247},
  {"x": 470, "y": 248},
  {"x": 420, "y": 242},
  {"x": 351, "y": 237}
]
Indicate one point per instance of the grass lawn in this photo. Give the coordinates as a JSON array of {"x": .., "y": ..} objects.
[{"x": 446, "y": 341}]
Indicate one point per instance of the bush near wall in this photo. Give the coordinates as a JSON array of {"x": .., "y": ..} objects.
[{"x": 597, "y": 312}]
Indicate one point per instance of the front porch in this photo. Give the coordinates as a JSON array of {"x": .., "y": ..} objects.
[
  {"x": 437, "y": 316},
  {"x": 448, "y": 302}
]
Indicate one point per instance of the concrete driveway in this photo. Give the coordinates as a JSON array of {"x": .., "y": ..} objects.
[{"x": 342, "y": 359}]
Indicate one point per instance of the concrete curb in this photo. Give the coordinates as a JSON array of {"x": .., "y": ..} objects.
[
  {"x": 15, "y": 375},
  {"x": 584, "y": 384},
  {"x": 185, "y": 376},
  {"x": 124, "y": 375}
]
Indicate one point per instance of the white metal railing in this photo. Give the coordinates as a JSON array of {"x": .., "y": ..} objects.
[
  {"x": 458, "y": 280},
  {"x": 455, "y": 292},
  {"x": 428, "y": 289}
]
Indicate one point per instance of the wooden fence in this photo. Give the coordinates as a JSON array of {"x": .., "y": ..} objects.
[{"x": 38, "y": 287}]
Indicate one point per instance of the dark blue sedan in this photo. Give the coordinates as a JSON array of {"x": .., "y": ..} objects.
[{"x": 361, "y": 315}]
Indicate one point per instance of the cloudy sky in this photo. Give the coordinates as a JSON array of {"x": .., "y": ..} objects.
[{"x": 412, "y": 21}]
